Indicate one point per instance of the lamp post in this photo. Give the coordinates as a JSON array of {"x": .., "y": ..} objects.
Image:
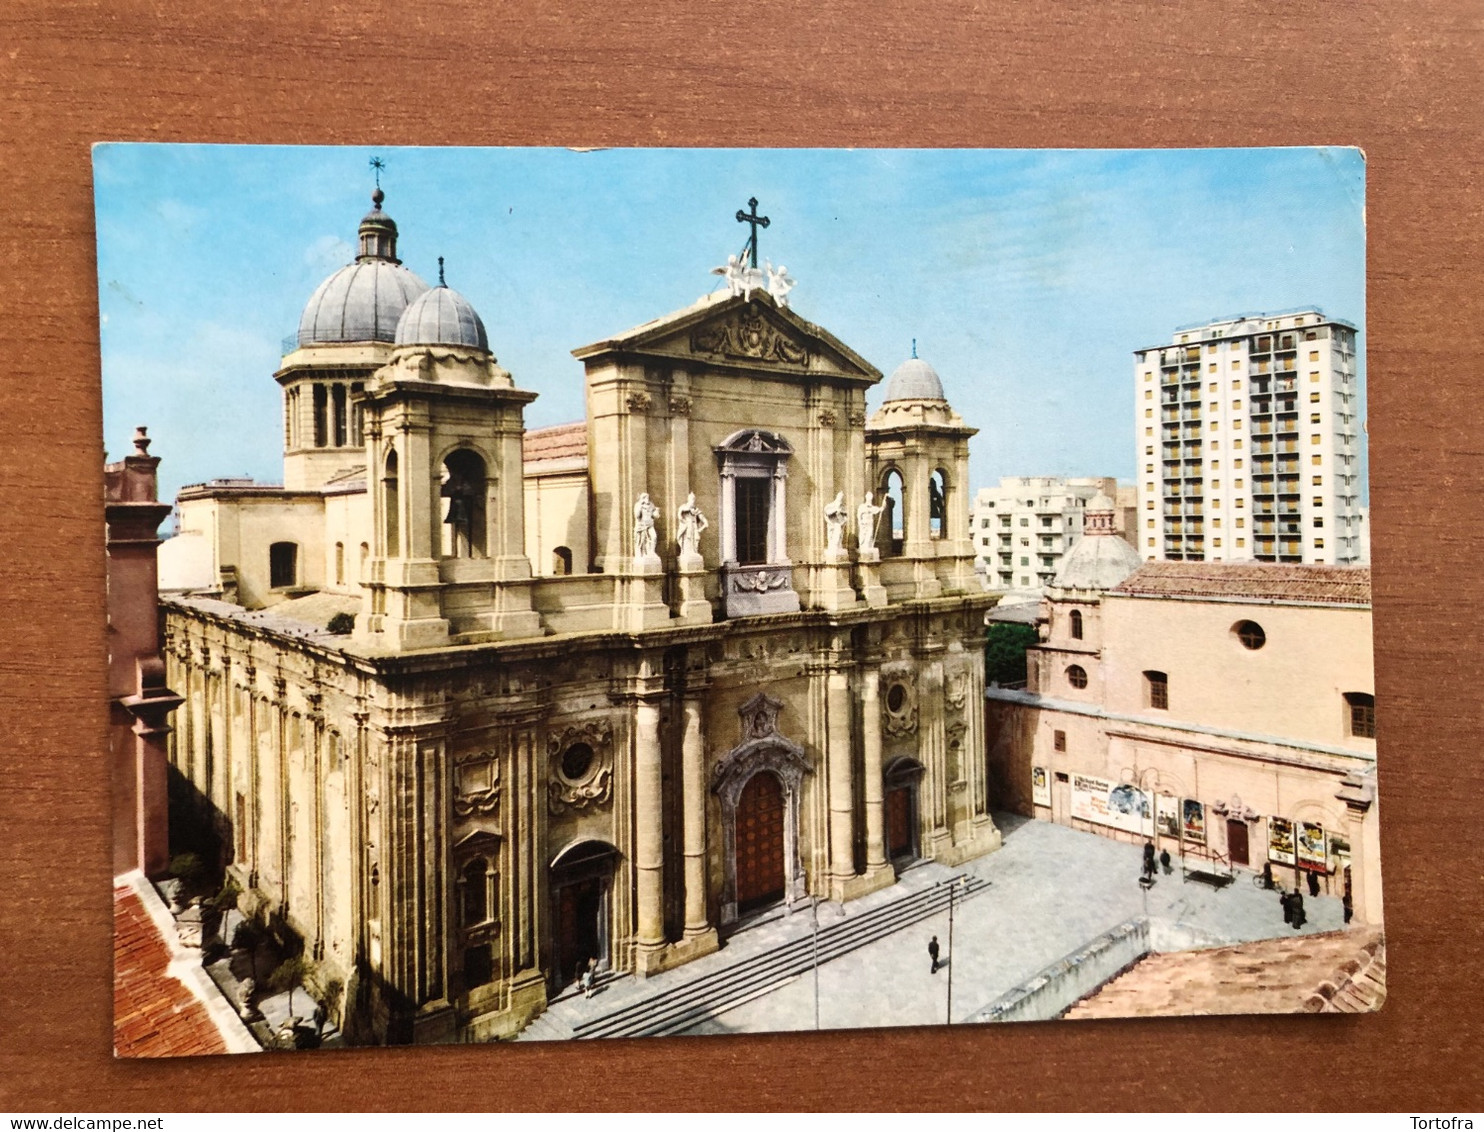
[
  {"x": 814, "y": 918},
  {"x": 952, "y": 892}
]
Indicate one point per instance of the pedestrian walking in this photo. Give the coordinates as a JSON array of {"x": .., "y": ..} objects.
[
  {"x": 1313, "y": 884},
  {"x": 1296, "y": 903},
  {"x": 1148, "y": 858},
  {"x": 589, "y": 977},
  {"x": 1267, "y": 875},
  {"x": 1349, "y": 906},
  {"x": 1284, "y": 899},
  {"x": 1164, "y": 861},
  {"x": 933, "y": 951}
]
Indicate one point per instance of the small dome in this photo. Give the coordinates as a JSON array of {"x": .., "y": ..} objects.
[
  {"x": 1099, "y": 561},
  {"x": 914, "y": 380},
  {"x": 441, "y": 317},
  {"x": 359, "y": 303},
  {"x": 1100, "y": 502}
]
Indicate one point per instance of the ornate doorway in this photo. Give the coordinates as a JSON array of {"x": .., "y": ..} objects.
[
  {"x": 901, "y": 780},
  {"x": 581, "y": 877},
  {"x": 760, "y": 873},
  {"x": 758, "y": 783}
]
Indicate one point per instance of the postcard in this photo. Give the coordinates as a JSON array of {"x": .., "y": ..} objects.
[{"x": 564, "y": 594}]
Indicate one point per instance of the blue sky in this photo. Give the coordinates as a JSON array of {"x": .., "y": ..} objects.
[{"x": 1028, "y": 277}]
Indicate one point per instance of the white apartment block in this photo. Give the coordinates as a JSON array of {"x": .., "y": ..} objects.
[
  {"x": 1248, "y": 437},
  {"x": 1023, "y": 527}
]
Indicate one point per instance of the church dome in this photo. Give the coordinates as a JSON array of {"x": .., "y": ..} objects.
[
  {"x": 359, "y": 303},
  {"x": 914, "y": 380},
  {"x": 1101, "y": 559},
  {"x": 363, "y": 301},
  {"x": 441, "y": 317}
]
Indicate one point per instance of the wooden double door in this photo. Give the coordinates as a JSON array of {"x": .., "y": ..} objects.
[{"x": 761, "y": 874}]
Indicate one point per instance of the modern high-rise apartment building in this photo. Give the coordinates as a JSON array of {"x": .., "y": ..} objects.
[
  {"x": 1023, "y": 527},
  {"x": 1248, "y": 441}
]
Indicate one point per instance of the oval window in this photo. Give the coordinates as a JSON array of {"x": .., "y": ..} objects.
[
  {"x": 1077, "y": 676},
  {"x": 1250, "y": 634},
  {"x": 896, "y": 698},
  {"x": 577, "y": 760}
]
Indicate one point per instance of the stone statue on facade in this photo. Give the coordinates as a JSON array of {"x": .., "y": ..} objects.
[
  {"x": 742, "y": 278},
  {"x": 835, "y": 518},
  {"x": 865, "y": 518},
  {"x": 689, "y": 525},
  {"x": 460, "y": 495},
  {"x": 645, "y": 539},
  {"x": 780, "y": 283}
]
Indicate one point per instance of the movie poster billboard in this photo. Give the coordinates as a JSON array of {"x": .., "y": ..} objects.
[
  {"x": 1040, "y": 786},
  {"x": 1280, "y": 841},
  {"x": 1195, "y": 821},
  {"x": 1310, "y": 848},
  {"x": 1119, "y": 805},
  {"x": 1167, "y": 814}
]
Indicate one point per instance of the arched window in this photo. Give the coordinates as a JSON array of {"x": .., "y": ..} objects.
[
  {"x": 393, "y": 507},
  {"x": 463, "y": 519},
  {"x": 340, "y": 564},
  {"x": 1361, "y": 710},
  {"x": 937, "y": 504},
  {"x": 321, "y": 416},
  {"x": 1076, "y": 621},
  {"x": 283, "y": 565},
  {"x": 472, "y": 894},
  {"x": 561, "y": 561},
  {"x": 892, "y": 527},
  {"x": 361, "y": 566},
  {"x": 1077, "y": 676},
  {"x": 1250, "y": 634},
  {"x": 1157, "y": 690}
]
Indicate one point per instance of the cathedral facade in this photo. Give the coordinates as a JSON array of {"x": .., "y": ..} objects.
[{"x": 474, "y": 708}]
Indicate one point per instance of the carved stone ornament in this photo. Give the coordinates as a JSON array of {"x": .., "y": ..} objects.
[
  {"x": 590, "y": 785},
  {"x": 638, "y": 402},
  {"x": 758, "y": 581},
  {"x": 476, "y": 785},
  {"x": 858, "y": 418},
  {"x": 748, "y": 335},
  {"x": 827, "y": 418},
  {"x": 902, "y": 718},
  {"x": 679, "y": 405}
]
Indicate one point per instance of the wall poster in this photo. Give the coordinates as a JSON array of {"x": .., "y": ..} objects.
[
  {"x": 1040, "y": 786},
  {"x": 1167, "y": 811},
  {"x": 1195, "y": 821},
  {"x": 1310, "y": 847},
  {"x": 1280, "y": 841},
  {"x": 1119, "y": 805}
]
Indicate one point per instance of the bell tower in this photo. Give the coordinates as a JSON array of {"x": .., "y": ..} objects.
[
  {"x": 443, "y": 426},
  {"x": 918, "y": 450}
]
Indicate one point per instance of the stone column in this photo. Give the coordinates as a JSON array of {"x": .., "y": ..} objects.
[
  {"x": 874, "y": 787},
  {"x": 778, "y": 516},
  {"x": 842, "y": 809},
  {"x": 693, "y": 792},
  {"x": 728, "y": 516},
  {"x": 649, "y": 843}
]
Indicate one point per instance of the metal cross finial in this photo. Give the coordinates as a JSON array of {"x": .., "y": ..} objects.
[
  {"x": 377, "y": 165},
  {"x": 757, "y": 222},
  {"x": 440, "y": 273}
]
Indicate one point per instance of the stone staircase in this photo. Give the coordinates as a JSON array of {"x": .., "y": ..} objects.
[{"x": 683, "y": 1005}]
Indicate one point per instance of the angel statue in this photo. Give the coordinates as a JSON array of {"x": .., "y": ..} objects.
[
  {"x": 865, "y": 518},
  {"x": 733, "y": 271},
  {"x": 644, "y": 532},
  {"x": 835, "y": 518},
  {"x": 690, "y": 523},
  {"x": 780, "y": 282}
]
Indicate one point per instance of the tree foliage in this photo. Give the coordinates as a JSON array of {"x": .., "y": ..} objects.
[{"x": 1004, "y": 651}]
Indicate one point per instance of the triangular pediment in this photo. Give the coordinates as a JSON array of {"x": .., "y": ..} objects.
[{"x": 753, "y": 333}]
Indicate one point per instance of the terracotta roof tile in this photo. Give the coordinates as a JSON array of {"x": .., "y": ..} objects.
[
  {"x": 560, "y": 442},
  {"x": 1339, "y": 585},
  {"x": 1328, "y": 972},
  {"x": 154, "y": 1014}
]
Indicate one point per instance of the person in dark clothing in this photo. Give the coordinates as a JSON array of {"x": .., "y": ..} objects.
[
  {"x": 1267, "y": 875},
  {"x": 1285, "y": 900},
  {"x": 1164, "y": 861},
  {"x": 1349, "y": 907},
  {"x": 933, "y": 951},
  {"x": 1296, "y": 903},
  {"x": 1148, "y": 858},
  {"x": 1313, "y": 884}
]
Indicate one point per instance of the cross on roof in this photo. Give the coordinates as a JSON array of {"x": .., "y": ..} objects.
[
  {"x": 377, "y": 165},
  {"x": 757, "y": 222}
]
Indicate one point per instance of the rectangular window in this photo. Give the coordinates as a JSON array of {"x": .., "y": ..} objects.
[
  {"x": 1237, "y": 443},
  {"x": 1215, "y": 542},
  {"x": 1241, "y": 522},
  {"x": 1059, "y": 740},
  {"x": 1237, "y": 463},
  {"x": 1314, "y": 397},
  {"x": 1148, "y": 394},
  {"x": 1158, "y": 685},
  {"x": 1318, "y": 544},
  {"x": 1215, "y": 406},
  {"x": 1151, "y": 524},
  {"x": 1313, "y": 375},
  {"x": 752, "y": 519},
  {"x": 1319, "y": 520},
  {"x": 1316, "y": 459},
  {"x": 1148, "y": 432},
  {"x": 1237, "y": 386},
  {"x": 1362, "y": 714},
  {"x": 1215, "y": 484},
  {"x": 1213, "y": 367},
  {"x": 1313, "y": 355},
  {"x": 1241, "y": 542},
  {"x": 1318, "y": 481}
]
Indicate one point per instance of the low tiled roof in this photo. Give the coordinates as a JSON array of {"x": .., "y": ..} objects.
[
  {"x": 154, "y": 1014},
  {"x": 1328, "y": 972},
  {"x": 1253, "y": 581},
  {"x": 560, "y": 442}
]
